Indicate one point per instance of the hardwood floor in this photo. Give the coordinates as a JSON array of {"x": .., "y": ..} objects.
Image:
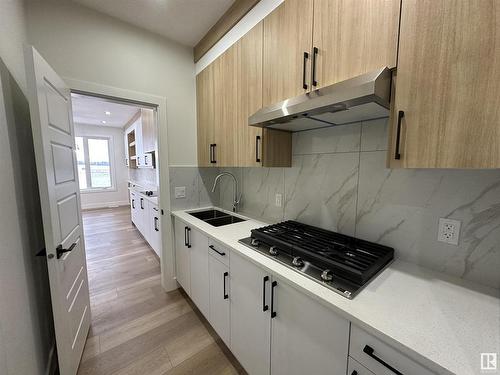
[{"x": 136, "y": 327}]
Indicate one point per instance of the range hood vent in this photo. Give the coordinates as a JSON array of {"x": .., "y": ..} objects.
[{"x": 365, "y": 97}]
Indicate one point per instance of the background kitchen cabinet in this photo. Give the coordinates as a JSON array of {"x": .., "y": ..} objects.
[
  {"x": 250, "y": 324},
  {"x": 287, "y": 36},
  {"x": 199, "y": 270},
  {"x": 133, "y": 206},
  {"x": 205, "y": 115},
  {"x": 148, "y": 125},
  {"x": 301, "y": 322},
  {"x": 182, "y": 256},
  {"x": 219, "y": 315},
  {"x": 353, "y": 38},
  {"x": 154, "y": 222},
  {"x": 448, "y": 85}
]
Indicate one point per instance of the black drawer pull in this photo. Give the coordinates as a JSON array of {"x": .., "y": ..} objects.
[
  {"x": 264, "y": 281},
  {"x": 133, "y": 203},
  {"x": 189, "y": 238},
  {"x": 142, "y": 203},
  {"x": 397, "y": 154},
  {"x": 304, "y": 62},
  {"x": 185, "y": 236},
  {"x": 156, "y": 224},
  {"x": 313, "y": 71},
  {"x": 213, "y": 159},
  {"x": 226, "y": 296},
  {"x": 273, "y": 285},
  {"x": 217, "y": 251},
  {"x": 257, "y": 153},
  {"x": 369, "y": 350}
]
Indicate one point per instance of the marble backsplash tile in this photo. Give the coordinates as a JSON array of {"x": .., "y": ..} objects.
[
  {"x": 144, "y": 176},
  {"x": 197, "y": 182},
  {"x": 339, "y": 181}
]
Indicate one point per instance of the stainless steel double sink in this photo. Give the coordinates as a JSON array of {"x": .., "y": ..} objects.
[{"x": 216, "y": 218}]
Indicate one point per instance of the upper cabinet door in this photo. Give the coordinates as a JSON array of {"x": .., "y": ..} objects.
[
  {"x": 148, "y": 130},
  {"x": 205, "y": 115},
  {"x": 249, "y": 97},
  {"x": 353, "y": 37},
  {"x": 287, "y": 37},
  {"x": 225, "y": 152},
  {"x": 448, "y": 85}
]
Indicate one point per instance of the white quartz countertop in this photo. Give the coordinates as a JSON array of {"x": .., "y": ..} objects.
[{"x": 440, "y": 321}]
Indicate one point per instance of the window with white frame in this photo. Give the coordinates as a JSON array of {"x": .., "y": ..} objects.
[{"x": 95, "y": 170}]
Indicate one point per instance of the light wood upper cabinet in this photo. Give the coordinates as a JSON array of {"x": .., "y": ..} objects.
[
  {"x": 205, "y": 115},
  {"x": 353, "y": 38},
  {"x": 448, "y": 85},
  {"x": 225, "y": 108},
  {"x": 249, "y": 96},
  {"x": 287, "y": 36}
]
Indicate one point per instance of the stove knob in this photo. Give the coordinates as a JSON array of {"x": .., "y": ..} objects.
[
  {"x": 273, "y": 250},
  {"x": 255, "y": 242},
  {"x": 327, "y": 275},
  {"x": 298, "y": 262}
]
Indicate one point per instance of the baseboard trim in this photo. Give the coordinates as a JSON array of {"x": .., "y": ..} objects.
[
  {"x": 94, "y": 206},
  {"x": 52, "y": 361}
]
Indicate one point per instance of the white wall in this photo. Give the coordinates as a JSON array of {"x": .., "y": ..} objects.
[
  {"x": 119, "y": 196},
  {"x": 26, "y": 326},
  {"x": 85, "y": 45}
]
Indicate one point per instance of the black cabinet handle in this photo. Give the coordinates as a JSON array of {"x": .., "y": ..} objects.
[
  {"x": 133, "y": 203},
  {"x": 369, "y": 350},
  {"x": 273, "y": 285},
  {"x": 397, "y": 154},
  {"x": 185, "y": 236},
  {"x": 257, "y": 153},
  {"x": 215, "y": 155},
  {"x": 226, "y": 296},
  {"x": 313, "y": 70},
  {"x": 142, "y": 203},
  {"x": 189, "y": 238},
  {"x": 60, "y": 251},
  {"x": 264, "y": 281},
  {"x": 354, "y": 372},
  {"x": 156, "y": 224},
  {"x": 212, "y": 153},
  {"x": 304, "y": 62},
  {"x": 217, "y": 251}
]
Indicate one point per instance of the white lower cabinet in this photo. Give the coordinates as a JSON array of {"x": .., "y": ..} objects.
[
  {"x": 182, "y": 256},
  {"x": 147, "y": 219},
  {"x": 250, "y": 315},
  {"x": 219, "y": 316},
  {"x": 307, "y": 337},
  {"x": 199, "y": 269},
  {"x": 154, "y": 232},
  {"x": 133, "y": 207},
  {"x": 381, "y": 358}
]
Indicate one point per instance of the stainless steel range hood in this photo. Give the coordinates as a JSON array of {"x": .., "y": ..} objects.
[{"x": 361, "y": 98}]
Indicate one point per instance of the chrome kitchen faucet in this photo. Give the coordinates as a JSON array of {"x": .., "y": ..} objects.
[{"x": 237, "y": 197}]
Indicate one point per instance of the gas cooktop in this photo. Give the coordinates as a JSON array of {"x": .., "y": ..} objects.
[{"x": 339, "y": 262}]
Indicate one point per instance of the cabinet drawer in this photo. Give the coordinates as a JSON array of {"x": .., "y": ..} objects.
[
  {"x": 355, "y": 368},
  {"x": 363, "y": 342},
  {"x": 218, "y": 251}
]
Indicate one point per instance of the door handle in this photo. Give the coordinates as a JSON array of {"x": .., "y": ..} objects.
[
  {"x": 217, "y": 251},
  {"x": 257, "y": 153},
  {"x": 313, "y": 70},
  {"x": 397, "y": 154},
  {"x": 369, "y": 351},
  {"x": 226, "y": 296},
  {"x": 156, "y": 224},
  {"x": 264, "y": 281},
  {"x": 304, "y": 62},
  {"x": 60, "y": 251},
  {"x": 274, "y": 284}
]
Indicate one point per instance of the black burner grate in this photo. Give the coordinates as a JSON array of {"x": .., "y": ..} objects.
[{"x": 354, "y": 259}]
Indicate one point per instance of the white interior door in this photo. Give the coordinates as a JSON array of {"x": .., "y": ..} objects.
[{"x": 54, "y": 141}]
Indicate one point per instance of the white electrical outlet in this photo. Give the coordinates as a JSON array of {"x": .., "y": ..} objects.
[
  {"x": 279, "y": 200},
  {"x": 449, "y": 231},
  {"x": 180, "y": 192}
]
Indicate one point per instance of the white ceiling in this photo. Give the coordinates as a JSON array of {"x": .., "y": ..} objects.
[
  {"x": 88, "y": 110},
  {"x": 184, "y": 21}
]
